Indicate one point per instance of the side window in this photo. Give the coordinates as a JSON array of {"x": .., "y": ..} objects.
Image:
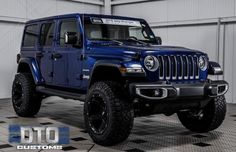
[
  {"x": 46, "y": 34},
  {"x": 30, "y": 36},
  {"x": 67, "y": 26}
]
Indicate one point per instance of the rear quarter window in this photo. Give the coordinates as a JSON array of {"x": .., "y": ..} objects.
[{"x": 30, "y": 36}]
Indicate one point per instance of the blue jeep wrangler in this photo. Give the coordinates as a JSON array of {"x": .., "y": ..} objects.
[{"x": 120, "y": 70}]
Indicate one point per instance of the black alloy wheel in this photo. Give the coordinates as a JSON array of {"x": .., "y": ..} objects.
[
  {"x": 17, "y": 94},
  {"x": 108, "y": 115},
  {"x": 97, "y": 114}
]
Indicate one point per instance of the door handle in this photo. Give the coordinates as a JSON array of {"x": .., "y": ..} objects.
[{"x": 56, "y": 56}]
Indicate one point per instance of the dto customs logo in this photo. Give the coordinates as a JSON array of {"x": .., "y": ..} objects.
[{"x": 39, "y": 137}]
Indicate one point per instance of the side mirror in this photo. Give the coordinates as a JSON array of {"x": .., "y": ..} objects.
[
  {"x": 71, "y": 38},
  {"x": 158, "y": 40}
]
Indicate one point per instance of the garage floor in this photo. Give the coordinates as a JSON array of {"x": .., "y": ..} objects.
[{"x": 154, "y": 133}]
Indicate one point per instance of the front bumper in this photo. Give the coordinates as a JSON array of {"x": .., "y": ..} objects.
[{"x": 164, "y": 90}]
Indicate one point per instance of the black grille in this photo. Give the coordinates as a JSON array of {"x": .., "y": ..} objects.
[{"x": 178, "y": 67}]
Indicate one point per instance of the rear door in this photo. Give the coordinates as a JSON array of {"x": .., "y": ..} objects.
[
  {"x": 46, "y": 45},
  {"x": 67, "y": 67}
]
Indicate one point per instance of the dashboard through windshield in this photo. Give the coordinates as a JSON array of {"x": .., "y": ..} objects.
[{"x": 117, "y": 29}]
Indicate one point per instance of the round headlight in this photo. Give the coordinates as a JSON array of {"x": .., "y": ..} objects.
[
  {"x": 202, "y": 63},
  {"x": 151, "y": 63}
]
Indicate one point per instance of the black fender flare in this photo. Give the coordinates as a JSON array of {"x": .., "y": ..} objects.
[
  {"x": 34, "y": 68},
  {"x": 105, "y": 63},
  {"x": 214, "y": 68}
]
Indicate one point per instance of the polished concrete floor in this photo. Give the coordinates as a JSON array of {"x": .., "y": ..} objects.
[{"x": 153, "y": 133}]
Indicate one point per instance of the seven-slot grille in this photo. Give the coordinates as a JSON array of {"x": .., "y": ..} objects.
[{"x": 178, "y": 67}]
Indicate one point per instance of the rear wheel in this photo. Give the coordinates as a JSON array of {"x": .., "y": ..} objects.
[
  {"x": 206, "y": 119},
  {"x": 108, "y": 116},
  {"x": 26, "y": 101}
]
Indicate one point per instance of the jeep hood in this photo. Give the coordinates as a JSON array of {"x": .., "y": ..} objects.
[
  {"x": 161, "y": 49},
  {"x": 114, "y": 49}
]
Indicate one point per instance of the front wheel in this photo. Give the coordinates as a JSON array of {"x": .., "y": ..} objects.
[
  {"x": 107, "y": 113},
  {"x": 207, "y": 119}
]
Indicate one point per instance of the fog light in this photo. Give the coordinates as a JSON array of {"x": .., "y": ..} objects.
[
  {"x": 157, "y": 93},
  {"x": 213, "y": 90}
]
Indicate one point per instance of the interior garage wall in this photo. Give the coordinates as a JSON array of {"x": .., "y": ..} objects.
[
  {"x": 193, "y": 24},
  {"x": 13, "y": 14}
]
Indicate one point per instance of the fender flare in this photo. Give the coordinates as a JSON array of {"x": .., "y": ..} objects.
[
  {"x": 214, "y": 68},
  {"x": 34, "y": 68},
  {"x": 104, "y": 63}
]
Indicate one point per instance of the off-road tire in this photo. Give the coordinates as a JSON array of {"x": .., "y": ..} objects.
[
  {"x": 30, "y": 99},
  {"x": 213, "y": 116},
  {"x": 120, "y": 113}
]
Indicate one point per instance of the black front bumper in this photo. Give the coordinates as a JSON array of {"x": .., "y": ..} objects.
[{"x": 164, "y": 90}]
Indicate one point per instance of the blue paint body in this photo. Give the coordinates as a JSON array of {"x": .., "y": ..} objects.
[{"x": 66, "y": 71}]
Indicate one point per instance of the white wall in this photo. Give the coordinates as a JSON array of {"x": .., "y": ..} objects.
[
  {"x": 13, "y": 14},
  {"x": 10, "y": 38},
  {"x": 230, "y": 60},
  {"x": 201, "y": 37}
]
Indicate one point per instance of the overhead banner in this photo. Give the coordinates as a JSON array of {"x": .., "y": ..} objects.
[
  {"x": 120, "y": 22},
  {"x": 116, "y": 22}
]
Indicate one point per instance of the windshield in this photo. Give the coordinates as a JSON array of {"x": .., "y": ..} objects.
[{"x": 116, "y": 29}]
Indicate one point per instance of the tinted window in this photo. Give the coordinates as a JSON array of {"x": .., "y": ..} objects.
[
  {"x": 46, "y": 36},
  {"x": 67, "y": 26},
  {"x": 30, "y": 36}
]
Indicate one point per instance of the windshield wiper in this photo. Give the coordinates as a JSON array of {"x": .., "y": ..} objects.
[
  {"x": 139, "y": 41},
  {"x": 118, "y": 42},
  {"x": 109, "y": 43}
]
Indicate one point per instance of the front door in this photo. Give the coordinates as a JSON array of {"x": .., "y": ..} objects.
[
  {"x": 46, "y": 43},
  {"x": 67, "y": 61}
]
